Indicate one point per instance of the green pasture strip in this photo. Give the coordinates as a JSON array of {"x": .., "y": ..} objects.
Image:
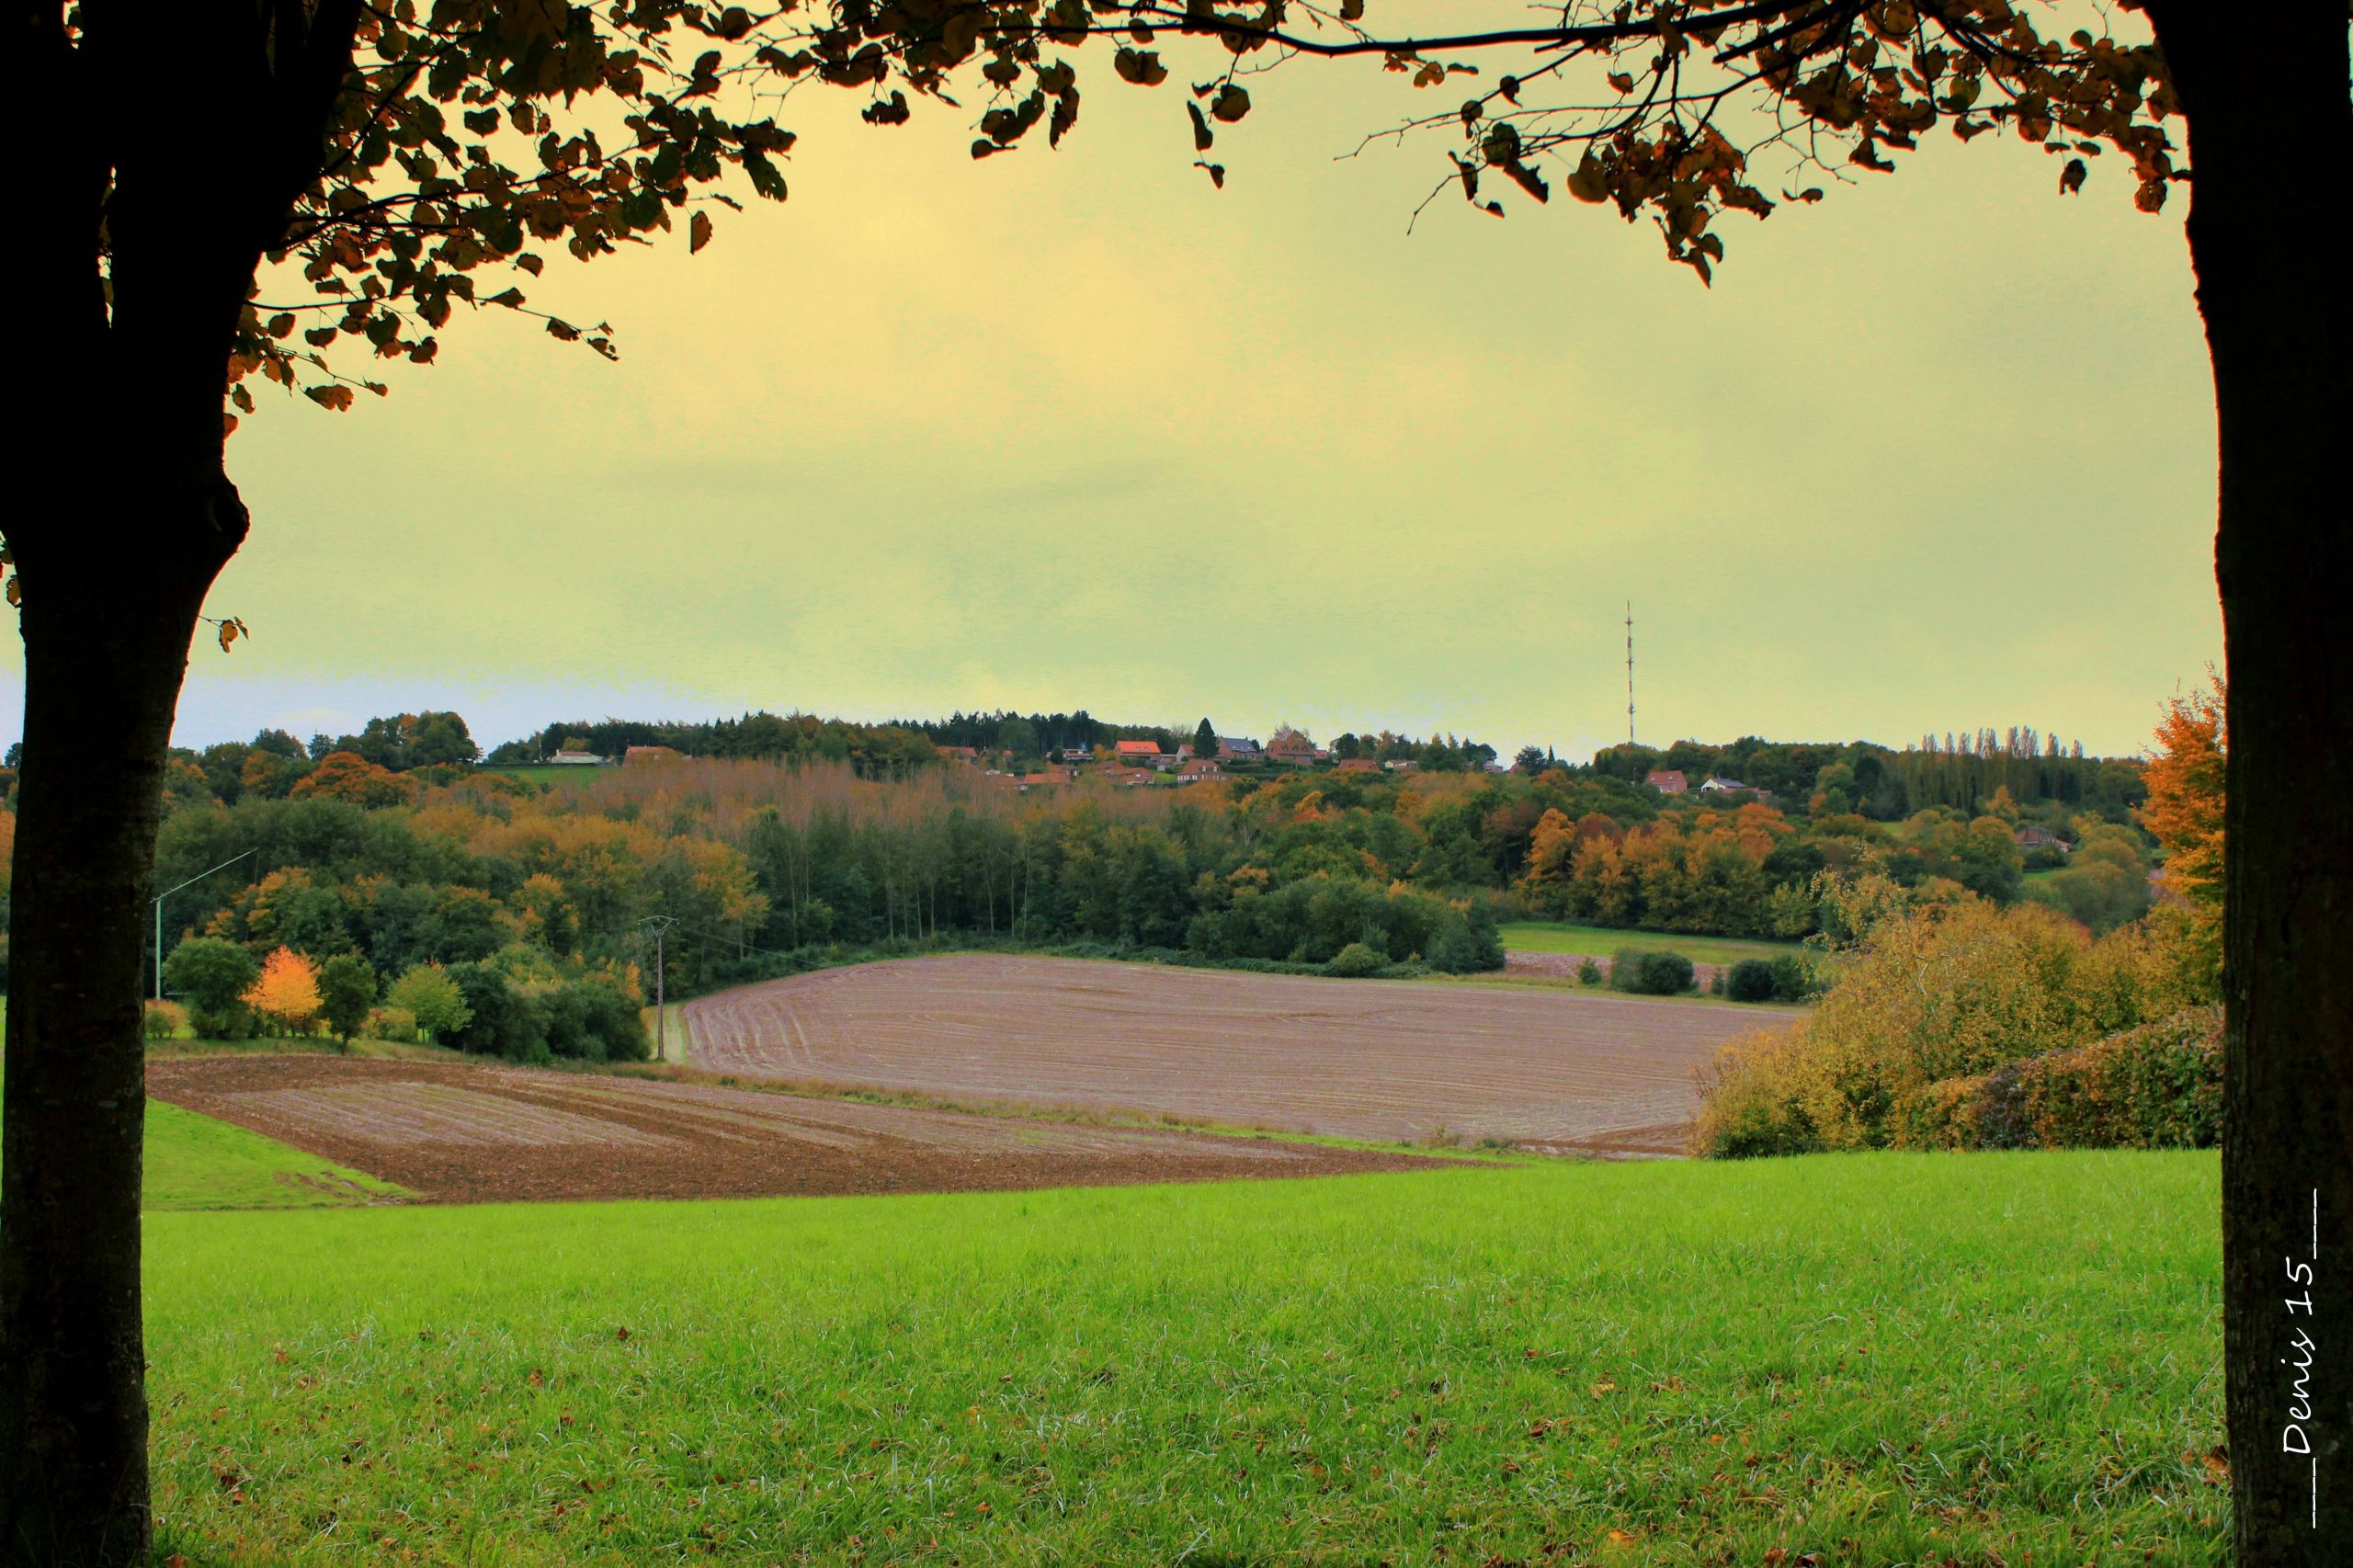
[
  {"x": 1602, "y": 942},
  {"x": 192, "y": 1161},
  {"x": 195, "y": 1162},
  {"x": 1881, "y": 1358}
]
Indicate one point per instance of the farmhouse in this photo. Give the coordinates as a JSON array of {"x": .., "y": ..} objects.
[
  {"x": 1402, "y": 765},
  {"x": 1236, "y": 748},
  {"x": 1200, "y": 769},
  {"x": 2033, "y": 837},
  {"x": 1140, "y": 753},
  {"x": 961, "y": 754},
  {"x": 1358, "y": 764},
  {"x": 1291, "y": 748},
  {"x": 1667, "y": 781},
  {"x": 1128, "y": 778},
  {"x": 1715, "y": 786},
  {"x": 652, "y": 754},
  {"x": 576, "y": 759},
  {"x": 1045, "y": 777}
]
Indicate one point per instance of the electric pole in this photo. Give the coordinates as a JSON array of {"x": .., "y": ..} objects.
[
  {"x": 1629, "y": 672},
  {"x": 659, "y": 925}
]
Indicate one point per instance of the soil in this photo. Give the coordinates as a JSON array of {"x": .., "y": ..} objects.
[
  {"x": 1382, "y": 1061},
  {"x": 460, "y": 1132}
]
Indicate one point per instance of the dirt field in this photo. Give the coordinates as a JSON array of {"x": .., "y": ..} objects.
[
  {"x": 1377, "y": 1060},
  {"x": 456, "y": 1132}
]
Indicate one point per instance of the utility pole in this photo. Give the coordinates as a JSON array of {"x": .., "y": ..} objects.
[
  {"x": 659, "y": 925},
  {"x": 159, "y": 913},
  {"x": 1629, "y": 672}
]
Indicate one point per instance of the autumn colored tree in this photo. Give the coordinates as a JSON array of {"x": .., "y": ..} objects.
[
  {"x": 429, "y": 996},
  {"x": 2186, "y": 795},
  {"x": 348, "y": 776},
  {"x": 286, "y": 991}
]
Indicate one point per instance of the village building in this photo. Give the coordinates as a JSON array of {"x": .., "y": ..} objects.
[
  {"x": 1237, "y": 748},
  {"x": 576, "y": 759},
  {"x": 1667, "y": 781},
  {"x": 1715, "y": 786},
  {"x": 652, "y": 754},
  {"x": 1140, "y": 753},
  {"x": 2033, "y": 837},
  {"x": 1358, "y": 764},
  {"x": 1402, "y": 765},
  {"x": 961, "y": 754},
  {"x": 1199, "y": 769},
  {"x": 1291, "y": 748}
]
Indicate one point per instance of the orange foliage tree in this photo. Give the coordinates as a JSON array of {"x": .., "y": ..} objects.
[
  {"x": 287, "y": 992},
  {"x": 2185, "y": 806}
]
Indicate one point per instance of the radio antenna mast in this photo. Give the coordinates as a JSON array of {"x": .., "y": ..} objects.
[{"x": 1629, "y": 672}]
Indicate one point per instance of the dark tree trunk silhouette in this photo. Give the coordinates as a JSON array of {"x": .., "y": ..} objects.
[
  {"x": 2267, "y": 115},
  {"x": 106, "y": 630}
]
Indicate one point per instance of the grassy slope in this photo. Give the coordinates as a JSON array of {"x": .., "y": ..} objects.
[
  {"x": 1560, "y": 937},
  {"x": 1883, "y": 1359},
  {"x": 194, "y": 1161}
]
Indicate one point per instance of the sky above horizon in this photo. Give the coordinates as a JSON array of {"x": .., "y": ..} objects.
[{"x": 1074, "y": 430}]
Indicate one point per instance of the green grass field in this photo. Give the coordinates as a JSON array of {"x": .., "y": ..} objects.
[
  {"x": 1560, "y": 937},
  {"x": 1881, "y": 1358}
]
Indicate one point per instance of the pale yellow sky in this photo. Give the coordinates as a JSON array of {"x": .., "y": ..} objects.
[{"x": 1073, "y": 429}]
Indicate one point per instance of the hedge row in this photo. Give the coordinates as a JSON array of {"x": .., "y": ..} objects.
[{"x": 2157, "y": 1086}]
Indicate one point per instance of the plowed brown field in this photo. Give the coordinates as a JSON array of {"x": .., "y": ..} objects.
[
  {"x": 1377, "y": 1060},
  {"x": 458, "y": 1132}
]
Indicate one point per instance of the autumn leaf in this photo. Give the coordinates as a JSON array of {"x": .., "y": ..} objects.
[
  {"x": 1141, "y": 66},
  {"x": 2071, "y": 177},
  {"x": 698, "y": 232},
  {"x": 1233, "y": 103}
]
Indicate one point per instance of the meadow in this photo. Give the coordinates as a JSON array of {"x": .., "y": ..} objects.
[
  {"x": 1602, "y": 942},
  {"x": 1875, "y": 1358}
]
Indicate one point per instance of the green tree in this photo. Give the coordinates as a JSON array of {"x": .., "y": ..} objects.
[
  {"x": 1204, "y": 740},
  {"x": 427, "y": 994},
  {"x": 212, "y": 976},
  {"x": 346, "y": 989}
]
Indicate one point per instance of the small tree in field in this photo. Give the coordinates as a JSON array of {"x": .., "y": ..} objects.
[
  {"x": 286, "y": 992},
  {"x": 428, "y": 993},
  {"x": 346, "y": 991},
  {"x": 212, "y": 976}
]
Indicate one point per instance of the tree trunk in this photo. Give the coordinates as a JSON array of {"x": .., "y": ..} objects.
[
  {"x": 107, "y": 619},
  {"x": 2266, "y": 129}
]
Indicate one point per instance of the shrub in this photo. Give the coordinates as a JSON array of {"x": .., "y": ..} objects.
[
  {"x": 1943, "y": 992},
  {"x": 2156, "y": 1086},
  {"x": 1749, "y": 1103},
  {"x": 1357, "y": 960},
  {"x": 1588, "y": 973},
  {"x": 1750, "y": 979},
  {"x": 392, "y": 1023},
  {"x": 165, "y": 1021},
  {"x": 1792, "y": 980},
  {"x": 1651, "y": 974}
]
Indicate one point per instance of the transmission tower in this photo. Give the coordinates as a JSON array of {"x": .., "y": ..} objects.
[{"x": 1629, "y": 672}]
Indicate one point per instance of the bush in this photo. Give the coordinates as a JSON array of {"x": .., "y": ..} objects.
[
  {"x": 1588, "y": 973},
  {"x": 2157, "y": 1086},
  {"x": 1750, "y": 979},
  {"x": 165, "y": 1021},
  {"x": 1792, "y": 980},
  {"x": 1948, "y": 992},
  {"x": 1651, "y": 973},
  {"x": 1357, "y": 959},
  {"x": 396, "y": 1024}
]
